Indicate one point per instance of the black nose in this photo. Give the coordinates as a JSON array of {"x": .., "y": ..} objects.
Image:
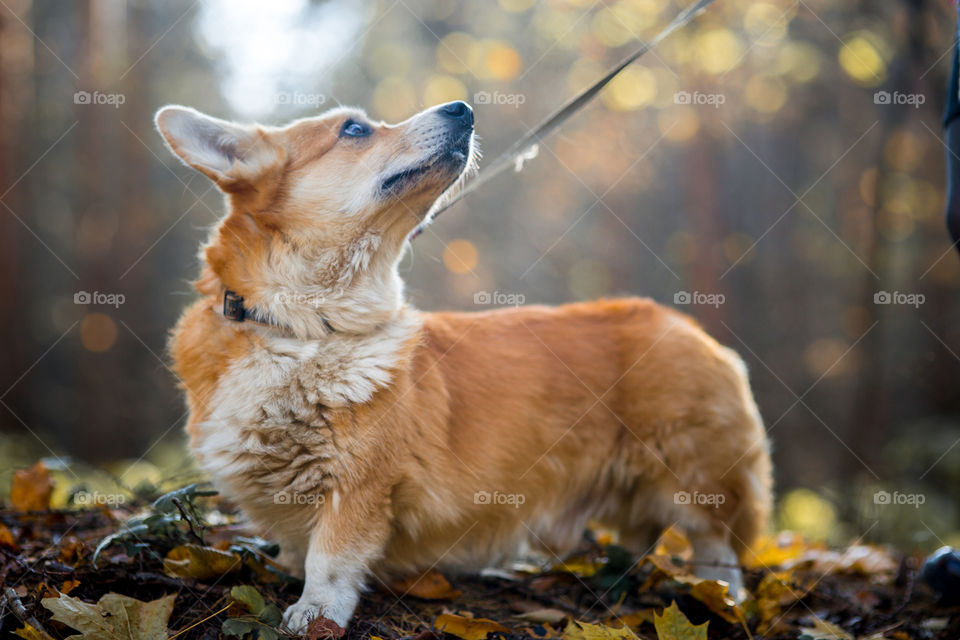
[{"x": 458, "y": 110}]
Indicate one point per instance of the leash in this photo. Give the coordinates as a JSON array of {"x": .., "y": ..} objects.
[{"x": 526, "y": 147}]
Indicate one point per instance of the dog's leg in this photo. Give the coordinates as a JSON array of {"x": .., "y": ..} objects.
[
  {"x": 715, "y": 559},
  {"x": 348, "y": 538}
]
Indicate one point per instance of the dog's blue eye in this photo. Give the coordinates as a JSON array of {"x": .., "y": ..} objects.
[{"x": 355, "y": 129}]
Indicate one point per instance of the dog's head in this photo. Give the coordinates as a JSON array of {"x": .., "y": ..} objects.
[{"x": 319, "y": 211}]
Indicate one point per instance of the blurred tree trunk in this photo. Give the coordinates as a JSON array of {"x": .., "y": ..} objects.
[
  {"x": 872, "y": 408},
  {"x": 16, "y": 105}
]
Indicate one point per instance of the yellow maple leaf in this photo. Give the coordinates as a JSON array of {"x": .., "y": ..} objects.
[
  {"x": 673, "y": 625},
  {"x": 586, "y": 631}
]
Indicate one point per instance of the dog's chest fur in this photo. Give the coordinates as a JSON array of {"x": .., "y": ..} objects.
[{"x": 269, "y": 438}]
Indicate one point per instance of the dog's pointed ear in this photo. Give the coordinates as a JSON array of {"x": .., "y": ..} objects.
[{"x": 232, "y": 155}]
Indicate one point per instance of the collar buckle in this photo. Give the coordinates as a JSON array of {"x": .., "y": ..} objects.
[{"x": 233, "y": 308}]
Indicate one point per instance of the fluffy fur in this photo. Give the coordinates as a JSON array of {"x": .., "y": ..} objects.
[{"x": 405, "y": 440}]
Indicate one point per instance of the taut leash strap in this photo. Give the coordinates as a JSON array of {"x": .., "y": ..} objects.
[{"x": 520, "y": 149}]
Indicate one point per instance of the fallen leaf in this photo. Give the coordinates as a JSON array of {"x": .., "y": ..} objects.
[
  {"x": 321, "y": 628},
  {"x": 429, "y": 586},
  {"x": 773, "y": 593},
  {"x": 31, "y": 488},
  {"x": 663, "y": 568},
  {"x": 633, "y": 620},
  {"x": 673, "y": 625},
  {"x": 554, "y": 616},
  {"x": 823, "y": 630},
  {"x": 861, "y": 559},
  {"x": 250, "y": 597},
  {"x": 585, "y": 631},
  {"x": 716, "y": 596},
  {"x": 69, "y": 585},
  {"x": 773, "y": 551},
  {"x": 200, "y": 563},
  {"x": 579, "y": 567},
  {"x": 28, "y": 632},
  {"x": 6, "y": 539},
  {"x": 114, "y": 617},
  {"x": 467, "y": 628},
  {"x": 673, "y": 543}
]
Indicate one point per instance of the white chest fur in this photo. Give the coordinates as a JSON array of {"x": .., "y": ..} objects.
[{"x": 267, "y": 438}]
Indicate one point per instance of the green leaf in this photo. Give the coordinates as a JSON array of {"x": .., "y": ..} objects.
[
  {"x": 271, "y": 615},
  {"x": 250, "y": 597},
  {"x": 237, "y": 627}
]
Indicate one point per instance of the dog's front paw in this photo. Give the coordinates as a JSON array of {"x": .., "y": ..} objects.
[{"x": 301, "y": 613}]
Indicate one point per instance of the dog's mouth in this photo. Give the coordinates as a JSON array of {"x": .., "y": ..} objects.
[{"x": 448, "y": 163}]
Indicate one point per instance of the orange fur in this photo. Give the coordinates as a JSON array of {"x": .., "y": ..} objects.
[{"x": 391, "y": 431}]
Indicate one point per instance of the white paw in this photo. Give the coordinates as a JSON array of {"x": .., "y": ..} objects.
[{"x": 299, "y": 614}]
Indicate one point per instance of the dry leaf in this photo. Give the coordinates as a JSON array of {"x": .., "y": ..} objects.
[
  {"x": 773, "y": 551},
  {"x": 200, "y": 563},
  {"x": 861, "y": 559},
  {"x": 716, "y": 596},
  {"x": 321, "y": 628},
  {"x": 429, "y": 586},
  {"x": 114, "y": 617},
  {"x": 554, "y": 616},
  {"x": 467, "y": 628},
  {"x": 673, "y": 625},
  {"x": 672, "y": 543},
  {"x": 31, "y": 488},
  {"x": 6, "y": 539},
  {"x": 773, "y": 593},
  {"x": 28, "y": 632},
  {"x": 823, "y": 630},
  {"x": 585, "y": 631},
  {"x": 632, "y": 620}
]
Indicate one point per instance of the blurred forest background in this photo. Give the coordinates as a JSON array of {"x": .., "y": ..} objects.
[{"x": 778, "y": 165}]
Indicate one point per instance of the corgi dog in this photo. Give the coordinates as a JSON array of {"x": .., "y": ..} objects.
[{"x": 372, "y": 439}]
